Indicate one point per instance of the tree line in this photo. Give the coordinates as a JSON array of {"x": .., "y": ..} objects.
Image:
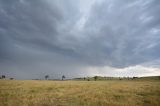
[
  {"x": 4, "y": 77},
  {"x": 47, "y": 77}
]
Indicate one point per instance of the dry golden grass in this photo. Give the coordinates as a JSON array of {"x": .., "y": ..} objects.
[{"x": 79, "y": 93}]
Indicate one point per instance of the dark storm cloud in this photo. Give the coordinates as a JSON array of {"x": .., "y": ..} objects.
[
  {"x": 124, "y": 33},
  {"x": 30, "y": 33},
  {"x": 33, "y": 25},
  {"x": 49, "y": 36}
]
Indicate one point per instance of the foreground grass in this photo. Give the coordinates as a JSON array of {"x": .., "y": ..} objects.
[{"x": 79, "y": 93}]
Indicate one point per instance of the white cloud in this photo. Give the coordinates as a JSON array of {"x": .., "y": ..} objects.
[{"x": 130, "y": 71}]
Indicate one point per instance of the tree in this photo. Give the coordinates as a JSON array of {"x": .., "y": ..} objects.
[
  {"x": 46, "y": 77},
  {"x": 3, "y": 76},
  {"x": 95, "y": 78},
  {"x": 11, "y": 78},
  {"x": 63, "y": 77},
  {"x": 135, "y": 77}
]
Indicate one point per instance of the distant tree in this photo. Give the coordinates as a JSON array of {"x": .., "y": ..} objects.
[
  {"x": 46, "y": 77},
  {"x": 84, "y": 78},
  {"x": 95, "y": 78},
  {"x": 63, "y": 77},
  {"x": 135, "y": 77},
  {"x": 3, "y": 76},
  {"x": 11, "y": 78}
]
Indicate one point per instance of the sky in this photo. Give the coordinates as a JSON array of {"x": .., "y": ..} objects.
[{"x": 78, "y": 38}]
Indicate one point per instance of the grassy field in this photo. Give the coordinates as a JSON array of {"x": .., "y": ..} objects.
[{"x": 79, "y": 93}]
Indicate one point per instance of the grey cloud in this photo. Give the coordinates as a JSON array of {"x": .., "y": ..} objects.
[
  {"x": 33, "y": 24},
  {"x": 123, "y": 30},
  {"x": 115, "y": 33}
]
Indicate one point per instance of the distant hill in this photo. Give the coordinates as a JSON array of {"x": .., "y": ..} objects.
[
  {"x": 100, "y": 78},
  {"x": 150, "y": 78}
]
